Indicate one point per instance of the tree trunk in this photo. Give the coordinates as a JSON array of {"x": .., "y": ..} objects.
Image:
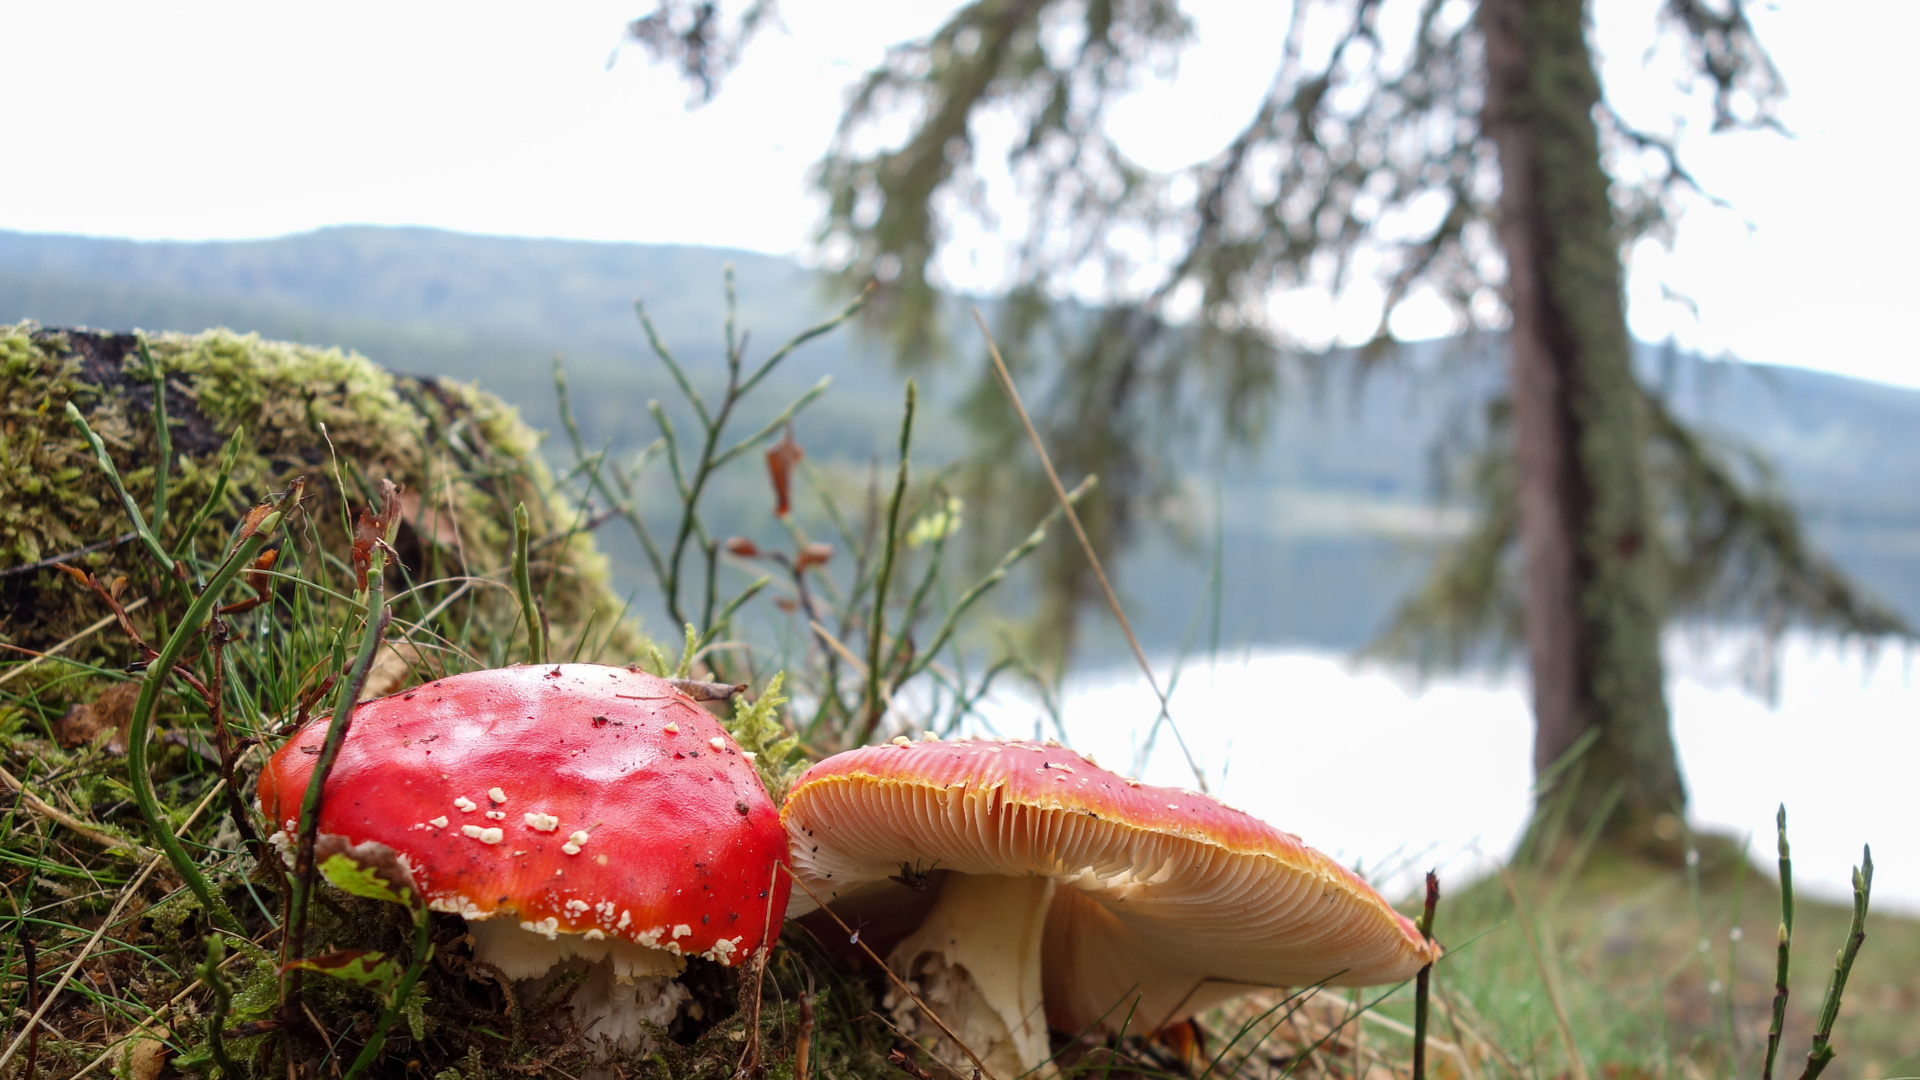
[{"x": 1592, "y": 580}]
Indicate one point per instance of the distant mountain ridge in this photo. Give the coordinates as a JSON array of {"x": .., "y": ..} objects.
[{"x": 1325, "y": 525}]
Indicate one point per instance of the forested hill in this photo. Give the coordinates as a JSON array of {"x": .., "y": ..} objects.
[{"x": 1324, "y": 526}]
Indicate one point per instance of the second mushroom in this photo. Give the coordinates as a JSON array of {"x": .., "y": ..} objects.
[{"x": 1018, "y": 886}]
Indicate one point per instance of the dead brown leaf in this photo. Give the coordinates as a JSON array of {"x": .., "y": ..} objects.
[
  {"x": 393, "y": 668},
  {"x": 374, "y": 528},
  {"x": 147, "y": 1054},
  {"x": 814, "y": 554},
  {"x": 780, "y": 460},
  {"x": 111, "y": 711}
]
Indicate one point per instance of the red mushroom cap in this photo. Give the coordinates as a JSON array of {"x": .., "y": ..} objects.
[{"x": 628, "y": 812}]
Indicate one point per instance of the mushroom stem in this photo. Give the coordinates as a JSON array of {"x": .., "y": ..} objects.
[
  {"x": 975, "y": 960},
  {"x": 626, "y": 988}
]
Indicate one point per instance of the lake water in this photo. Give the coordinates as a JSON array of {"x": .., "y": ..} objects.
[{"x": 1395, "y": 776}]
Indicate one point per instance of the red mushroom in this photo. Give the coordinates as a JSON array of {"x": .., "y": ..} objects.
[
  {"x": 571, "y": 813},
  {"x": 1019, "y": 885}
]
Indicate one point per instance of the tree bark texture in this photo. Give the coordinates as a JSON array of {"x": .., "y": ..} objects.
[{"x": 1592, "y": 588}]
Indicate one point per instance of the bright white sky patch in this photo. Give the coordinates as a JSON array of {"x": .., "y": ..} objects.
[
  {"x": 1397, "y": 777},
  {"x": 234, "y": 120}
]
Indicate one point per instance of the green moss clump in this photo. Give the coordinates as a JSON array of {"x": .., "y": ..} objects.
[{"x": 334, "y": 419}]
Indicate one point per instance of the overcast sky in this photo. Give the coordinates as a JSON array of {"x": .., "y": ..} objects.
[{"x": 202, "y": 121}]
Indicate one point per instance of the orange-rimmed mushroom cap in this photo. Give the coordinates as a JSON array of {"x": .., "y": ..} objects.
[{"x": 1164, "y": 902}]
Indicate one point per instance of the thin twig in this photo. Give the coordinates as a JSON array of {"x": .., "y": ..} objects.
[
  {"x": 874, "y": 702},
  {"x": 63, "y": 646},
  {"x": 749, "y": 1063},
  {"x": 854, "y": 663},
  {"x": 1073, "y": 518},
  {"x": 1422, "y": 986},
  {"x": 1822, "y": 1051},
  {"x": 68, "y": 556},
  {"x": 712, "y": 424}
]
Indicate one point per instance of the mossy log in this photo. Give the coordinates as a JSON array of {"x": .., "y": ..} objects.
[{"x": 333, "y": 418}]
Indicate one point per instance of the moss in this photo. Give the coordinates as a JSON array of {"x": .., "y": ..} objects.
[{"x": 334, "y": 419}]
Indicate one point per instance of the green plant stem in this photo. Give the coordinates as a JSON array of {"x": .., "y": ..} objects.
[
  {"x": 105, "y": 462},
  {"x": 766, "y": 366},
  {"x": 673, "y": 366},
  {"x": 140, "y": 728},
  {"x": 875, "y": 703},
  {"x": 779, "y": 422},
  {"x": 727, "y": 612},
  {"x": 523, "y": 588},
  {"x": 623, "y": 503},
  {"x": 183, "y": 544},
  {"x": 993, "y": 577},
  {"x": 1423, "y": 983},
  {"x": 422, "y": 952},
  {"x": 1822, "y": 1051},
  {"x": 222, "y": 1004},
  {"x": 1784, "y": 956},
  {"x": 162, "y": 437},
  {"x": 714, "y": 423},
  {"x": 711, "y": 459},
  {"x": 916, "y": 600},
  {"x": 293, "y": 946},
  {"x": 710, "y": 553}
]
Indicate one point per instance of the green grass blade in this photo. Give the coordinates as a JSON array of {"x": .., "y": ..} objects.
[
  {"x": 105, "y": 462},
  {"x": 523, "y": 588},
  {"x": 874, "y": 703}
]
